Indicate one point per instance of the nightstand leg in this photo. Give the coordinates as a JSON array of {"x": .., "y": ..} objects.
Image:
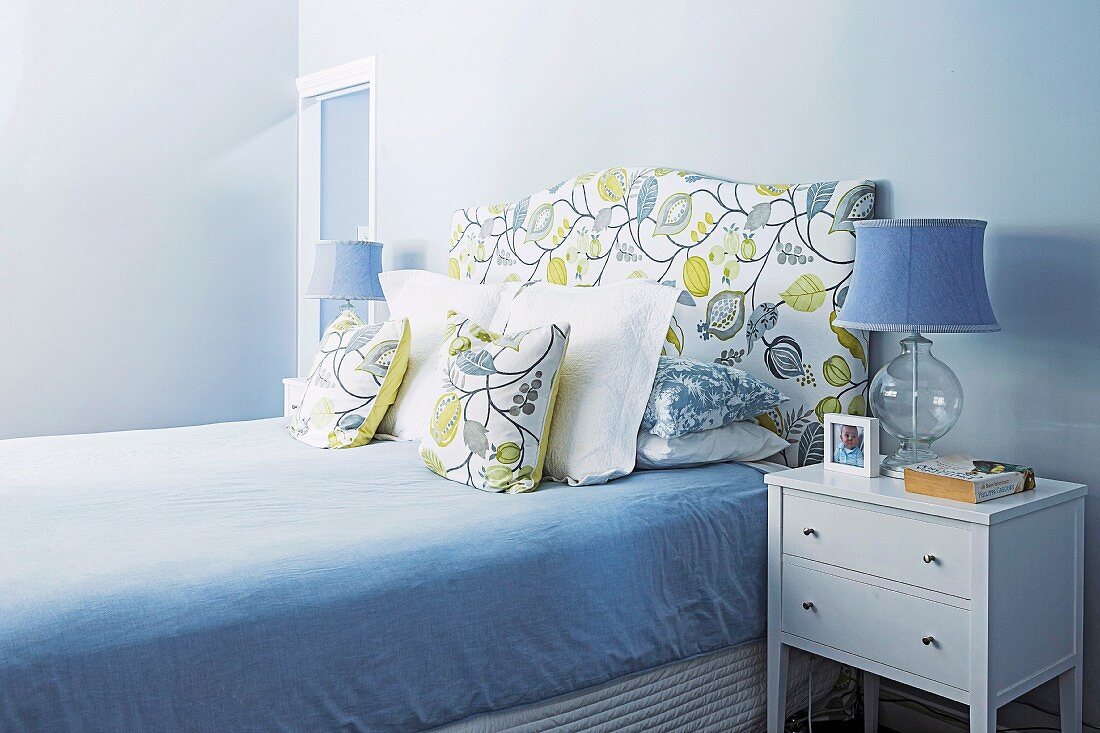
[
  {"x": 778, "y": 658},
  {"x": 983, "y": 714},
  {"x": 1069, "y": 693},
  {"x": 870, "y": 703}
]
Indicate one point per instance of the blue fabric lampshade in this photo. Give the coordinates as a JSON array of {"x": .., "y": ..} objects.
[
  {"x": 346, "y": 271},
  {"x": 922, "y": 275}
]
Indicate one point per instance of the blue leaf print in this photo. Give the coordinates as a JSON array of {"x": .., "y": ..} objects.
[
  {"x": 817, "y": 198},
  {"x": 693, "y": 179},
  {"x": 762, "y": 320},
  {"x": 784, "y": 358},
  {"x": 811, "y": 446},
  {"x": 601, "y": 220},
  {"x": 859, "y": 203},
  {"x": 362, "y": 336},
  {"x": 647, "y": 198},
  {"x": 350, "y": 421},
  {"x": 521, "y": 213},
  {"x": 758, "y": 216},
  {"x": 476, "y": 363},
  {"x": 689, "y": 395},
  {"x": 486, "y": 229}
]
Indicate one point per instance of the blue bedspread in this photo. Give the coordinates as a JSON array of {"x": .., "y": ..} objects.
[{"x": 226, "y": 578}]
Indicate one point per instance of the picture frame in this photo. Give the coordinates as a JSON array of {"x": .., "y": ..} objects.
[{"x": 851, "y": 444}]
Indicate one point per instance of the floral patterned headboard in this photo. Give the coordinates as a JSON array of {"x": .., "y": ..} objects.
[{"x": 764, "y": 269}]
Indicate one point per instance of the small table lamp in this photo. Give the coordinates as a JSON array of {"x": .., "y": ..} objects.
[
  {"x": 917, "y": 276},
  {"x": 346, "y": 271}
]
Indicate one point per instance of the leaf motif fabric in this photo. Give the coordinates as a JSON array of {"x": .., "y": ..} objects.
[
  {"x": 520, "y": 214},
  {"x": 817, "y": 197},
  {"x": 690, "y": 396},
  {"x": 858, "y": 203},
  {"x": 647, "y": 199},
  {"x": 805, "y": 294},
  {"x": 352, "y": 382},
  {"x": 491, "y": 421},
  {"x": 763, "y": 269},
  {"x": 811, "y": 444},
  {"x": 784, "y": 358}
]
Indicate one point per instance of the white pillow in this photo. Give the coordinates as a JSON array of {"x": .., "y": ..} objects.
[
  {"x": 617, "y": 335},
  {"x": 425, "y": 299},
  {"x": 738, "y": 441}
]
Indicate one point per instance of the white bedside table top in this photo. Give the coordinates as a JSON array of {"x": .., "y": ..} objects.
[{"x": 891, "y": 492}]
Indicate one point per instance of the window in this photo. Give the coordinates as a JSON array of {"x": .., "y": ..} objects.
[{"x": 337, "y": 134}]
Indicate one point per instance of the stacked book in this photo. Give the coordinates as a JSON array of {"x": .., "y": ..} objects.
[{"x": 963, "y": 478}]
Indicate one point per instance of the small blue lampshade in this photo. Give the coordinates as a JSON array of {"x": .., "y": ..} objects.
[
  {"x": 922, "y": 275},
  {"x": 346, "y": 271}
]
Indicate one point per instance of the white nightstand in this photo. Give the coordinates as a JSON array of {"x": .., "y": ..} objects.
[
  {"x": 294, "y": 388},
  {"x": 978, "y": 603}
]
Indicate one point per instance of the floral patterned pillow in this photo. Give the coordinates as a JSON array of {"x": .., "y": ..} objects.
[
  {"x": 490, "y": 425},
  {"x": 352, "y": 382},
  {"x": 690, "y": 396}
]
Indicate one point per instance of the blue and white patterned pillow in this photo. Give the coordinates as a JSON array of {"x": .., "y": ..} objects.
[{"x": 690, "y": 396}]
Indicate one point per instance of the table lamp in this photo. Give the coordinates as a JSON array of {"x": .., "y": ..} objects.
[
  {"x": 346, "y": 271},
  {"x": 917, "y": 276}
]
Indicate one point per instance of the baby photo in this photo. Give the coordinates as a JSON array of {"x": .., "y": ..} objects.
[{"x": 848, "y": 440}]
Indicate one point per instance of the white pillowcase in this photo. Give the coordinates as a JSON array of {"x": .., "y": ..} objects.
[
  {"x": 617, "y": 335},
  {"x": 425, "y": 299},
  {"x": 738, "y": 441}
]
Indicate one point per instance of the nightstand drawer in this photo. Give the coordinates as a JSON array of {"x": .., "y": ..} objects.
[
  {"x": 293, "y": 392},
  {"x": 878, "y": 624},
  {"x": 912, "y": 551}
]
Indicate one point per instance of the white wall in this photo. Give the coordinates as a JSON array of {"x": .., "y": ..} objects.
[
  {"x": 147, "y": 212},
  {"x": 981, "y": 109}
]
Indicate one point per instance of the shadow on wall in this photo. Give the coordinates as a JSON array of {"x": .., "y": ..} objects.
[
  {"x": 884, "y": 200},
  {"x": 1044, "y": 285},
  {"x": 1040, "y": 382},
  {"x": 408, "y": 254},
  {"x": 1043, "y": 288}
]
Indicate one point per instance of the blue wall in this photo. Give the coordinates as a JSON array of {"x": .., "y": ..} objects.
[
  {"x": 983, "y": 109},
  {"x": 147, "y": 212}
]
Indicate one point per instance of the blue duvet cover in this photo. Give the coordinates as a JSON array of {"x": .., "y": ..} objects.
[{"x": 226, "y": 578}]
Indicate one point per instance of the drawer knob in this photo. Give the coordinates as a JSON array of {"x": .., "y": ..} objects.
[
  {"x": 928, "y": 640},
  {"x": 809, "y": 531},
  {"x": 807, "y": 605},
  {"x": 930, "y": 558}
]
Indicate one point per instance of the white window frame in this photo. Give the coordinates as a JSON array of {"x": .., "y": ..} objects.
[{"x": 312, "y": 90}]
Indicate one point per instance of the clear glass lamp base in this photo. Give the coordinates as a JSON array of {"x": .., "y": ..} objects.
[
  {"x": 910, "y": 451},
  {"x": 917, "y": 398}
]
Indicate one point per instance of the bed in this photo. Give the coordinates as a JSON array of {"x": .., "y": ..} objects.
[{"x": 225, "y": 577}]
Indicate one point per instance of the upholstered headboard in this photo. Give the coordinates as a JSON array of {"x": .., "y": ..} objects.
[{"x": 764, "y": 268}]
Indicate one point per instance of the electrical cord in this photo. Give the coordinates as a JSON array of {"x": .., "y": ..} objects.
[{"x": 810, "y": 700}]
